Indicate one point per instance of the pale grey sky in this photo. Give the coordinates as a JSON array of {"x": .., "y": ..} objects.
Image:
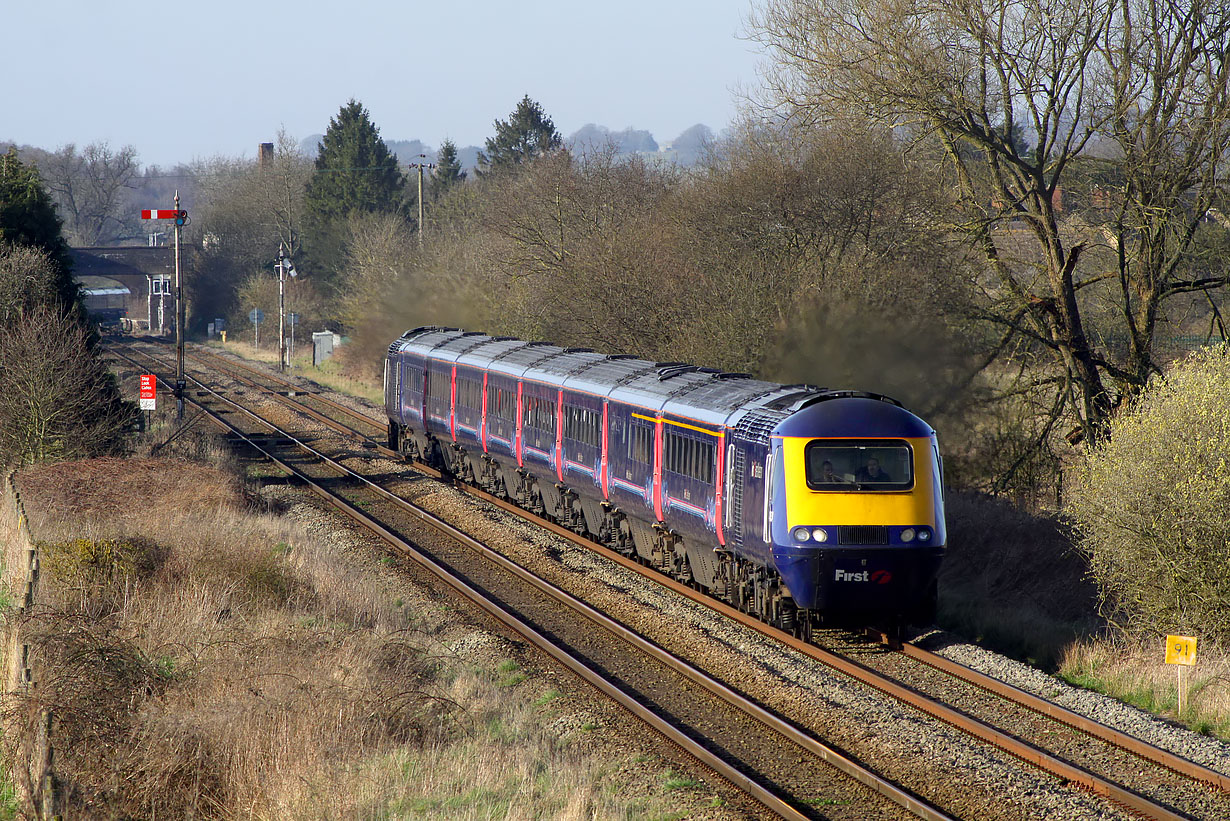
[{"x": 185, "y": 80}]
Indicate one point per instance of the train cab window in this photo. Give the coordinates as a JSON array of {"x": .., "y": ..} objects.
[{"x": 859, "y": 465}]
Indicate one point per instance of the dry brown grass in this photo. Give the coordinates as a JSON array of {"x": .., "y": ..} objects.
[
  {"x": 343, "y": 372},
  {"x": 1134, "y": 670},
  {"x": 206, "y": 659}
]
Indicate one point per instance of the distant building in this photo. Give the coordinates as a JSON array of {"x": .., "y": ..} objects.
[{"x": 133, "y": 287}]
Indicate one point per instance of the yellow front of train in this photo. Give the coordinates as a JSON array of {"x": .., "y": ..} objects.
[{"x": 858, "y": 520}]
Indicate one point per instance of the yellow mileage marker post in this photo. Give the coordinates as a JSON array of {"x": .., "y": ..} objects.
[{"x": 1181, "y": 650}]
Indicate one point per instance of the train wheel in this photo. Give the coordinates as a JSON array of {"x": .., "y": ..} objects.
[{"x": 802, "y": 629}]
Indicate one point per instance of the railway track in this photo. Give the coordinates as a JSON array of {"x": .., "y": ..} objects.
[{"x": 1147, "y": 781}]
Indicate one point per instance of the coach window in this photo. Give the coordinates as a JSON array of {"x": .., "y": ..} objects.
[
  {"x": 641, "y": 446},
  {"x": 436, "y": 385},
  {"x": 706, "y": 451},
  {"x": 469, "y": 393},
  {"x": 540, "y": 414},
  {"x": 529, "y": 413},
  {"x": 690, "y": 457},
  {"x": 502, "y": 404},
  {"x": 593, "y": 429},
  {"x": 415, "y": 375},
  {"x": 581, "y": 425}
]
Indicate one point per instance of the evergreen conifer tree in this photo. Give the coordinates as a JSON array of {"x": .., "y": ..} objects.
[
  {"x": 527, "y": 134},
  {"x": 448, "y": 170},
  {"x": 28, "y": 218},
  {"x": 355, "y": 173}
]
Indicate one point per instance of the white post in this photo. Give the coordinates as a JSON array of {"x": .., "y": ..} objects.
[
  {"x": 281, "y": 308},
  {"x": 179, "y": 323}
]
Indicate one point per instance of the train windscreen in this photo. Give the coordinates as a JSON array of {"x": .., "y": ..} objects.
[{"x": 870, "y": 465}]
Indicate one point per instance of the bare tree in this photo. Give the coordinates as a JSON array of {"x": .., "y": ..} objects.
[
  {"x": 1169, "y": 66},
  {"x": 1017, "y": 93},
  {"x": 91, "y": 189},
  {"x": 57, "y": 398},
  {"x": 246, "y": 210},
  {"x": 380, "y": 249},
  {"x": 279, "y": 190},
  {"x": 783, "y": 221},
  {"x": 577, "y": 248},
  {"x": 27, "y": 279}
]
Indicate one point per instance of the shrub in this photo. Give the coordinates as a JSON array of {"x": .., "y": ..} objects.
[
  {"x": 57, "y": 398},
  {"x": 82, "y": 561},
  {"x": 1150, "y": 504}
]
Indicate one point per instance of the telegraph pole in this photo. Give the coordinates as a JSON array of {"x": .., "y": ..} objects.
[
  {"x": 180, "y": 218},
  {"x": 420, "y": 166},
  {"x": 281, "y": 307}
]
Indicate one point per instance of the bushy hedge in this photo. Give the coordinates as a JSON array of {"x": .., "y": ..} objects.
[{"x": 1152, "y": 505}]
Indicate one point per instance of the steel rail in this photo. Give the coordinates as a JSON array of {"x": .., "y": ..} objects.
[
  {"x": 200, "y": 355},
  {"x": 289, "y": 401},
  {"x": 1110, "y": 735},
  {"x": 762, "y": 794}
]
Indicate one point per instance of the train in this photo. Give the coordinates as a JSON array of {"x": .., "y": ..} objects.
[{"x": 801, "y": 505}]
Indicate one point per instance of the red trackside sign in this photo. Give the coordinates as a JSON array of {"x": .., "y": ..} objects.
[{"x": 149, "y": 391}]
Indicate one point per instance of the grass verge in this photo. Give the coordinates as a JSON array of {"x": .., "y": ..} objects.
[{"x": 219, "y": 660}]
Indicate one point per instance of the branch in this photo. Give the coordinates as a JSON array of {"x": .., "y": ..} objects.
[{"x": 1188, "y": 286}]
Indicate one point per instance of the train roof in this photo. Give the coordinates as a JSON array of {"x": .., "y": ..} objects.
[
  {"x": 675, "y": 388},
  {"x": 492, "y": 348},
  {"x": 856, "y": 416},
  {"x": 608, "y": 374}
]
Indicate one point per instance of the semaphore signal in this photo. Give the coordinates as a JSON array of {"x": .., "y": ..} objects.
[
  {"x": 181, "y": 219},
  {"x": 178, "y": 214}
]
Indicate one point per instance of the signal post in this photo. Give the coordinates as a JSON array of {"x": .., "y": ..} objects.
[{"x": 181, "y": 219}]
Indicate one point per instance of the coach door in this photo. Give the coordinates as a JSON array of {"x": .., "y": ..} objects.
[{"x": 736, "y": 465}]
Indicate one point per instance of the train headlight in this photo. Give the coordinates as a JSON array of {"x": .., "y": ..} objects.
[
  {"x": 924, "y": 534},
  {"x": 801, "y": 534},
  {"x": 820, "y": 534},
  {"x": 907, "y": 535}
]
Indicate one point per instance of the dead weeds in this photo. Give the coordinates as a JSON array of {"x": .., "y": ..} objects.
[{"x": 205, "y": 659}]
